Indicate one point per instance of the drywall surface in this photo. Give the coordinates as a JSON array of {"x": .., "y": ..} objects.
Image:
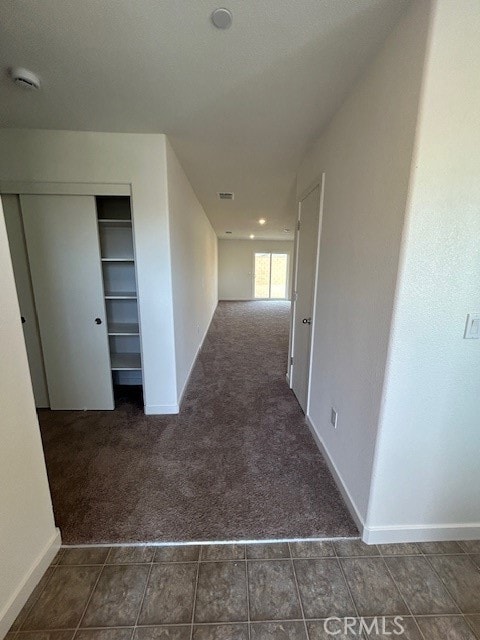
[
  {"x": 366, "y": 155},
  {"x": 139, "y": 160},
  {"x": 27, "y": 528},
  {"x": 194, "y": 268},
  {"x": 427, "y": 472},
  {"x": 236, "y": 265}
]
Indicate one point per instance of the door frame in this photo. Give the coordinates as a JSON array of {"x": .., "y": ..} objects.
[
  {"x": 320, "y": 183},
  {"x": 21, "y": 187}
]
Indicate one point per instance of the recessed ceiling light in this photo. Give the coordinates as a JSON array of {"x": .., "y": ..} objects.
[
  {"x": 251, "y": 236},
  {"x": 222, "y": 18},
  {"x": 262, "y": 221}
]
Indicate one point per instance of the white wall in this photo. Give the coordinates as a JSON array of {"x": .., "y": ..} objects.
[
  {"x": 139, "y": 160},
  {"x": 236, "y": 262},
  {"x": 427, "y": 473},
  {"x": 366, "y": 154},
  {"x": 194, "y": 268},
  {"x": 28, "y": 538}
]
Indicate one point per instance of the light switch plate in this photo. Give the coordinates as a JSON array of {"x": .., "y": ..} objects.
[{"x": 472, "y": 328}]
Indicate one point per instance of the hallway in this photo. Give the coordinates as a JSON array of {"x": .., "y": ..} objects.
[{"x": 238, "y": 462}]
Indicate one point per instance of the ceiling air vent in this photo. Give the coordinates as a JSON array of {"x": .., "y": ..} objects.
[{"x": 225, "y": 195}]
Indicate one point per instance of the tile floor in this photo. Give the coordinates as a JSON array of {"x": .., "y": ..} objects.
[{"x": 257, "y": 592}]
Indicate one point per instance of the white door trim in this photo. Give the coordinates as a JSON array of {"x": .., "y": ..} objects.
[
  {"x": 320, "y": 183},
  {"x": 65, "y": 188}
]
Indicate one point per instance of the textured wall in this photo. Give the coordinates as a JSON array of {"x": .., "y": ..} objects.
[
  {"x": 428, "y": 471},
  {"x": 366, "y": 154},
  {"x": 236, "y": 265},
  {"x": 194, "y": 268},
  {"x": 26, "y": 524}
]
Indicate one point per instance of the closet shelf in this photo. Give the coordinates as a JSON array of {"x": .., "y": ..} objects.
[
  {"x": 123, "y": 329},
  {"x": 125, "y": 361},
  {"x": 120, "y": 295},
  {"x": 116, "y": 221},
  {"x": 118, "y": 260}
]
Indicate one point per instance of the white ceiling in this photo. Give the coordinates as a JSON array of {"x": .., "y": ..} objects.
[{"x": 240, "y": 106}]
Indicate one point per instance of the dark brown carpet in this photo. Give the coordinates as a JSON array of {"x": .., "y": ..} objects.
[{"x": 238, "y": 462}]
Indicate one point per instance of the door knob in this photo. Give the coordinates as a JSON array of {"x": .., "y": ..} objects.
[
  {"x": 98, "y": 321},
  {"x": 23, "y": 319},
  {"x": 307, "y": 321}
]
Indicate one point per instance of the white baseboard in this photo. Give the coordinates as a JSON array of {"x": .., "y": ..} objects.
[
  {"x": 161, "y": 409},
  {"x": 351, "y": 506},
  {"x": 421, "y": 533},
  {"x": 28, "y": 584},
  {"x": 187, "y": 379},
  {"x": 395, "y": 533}
]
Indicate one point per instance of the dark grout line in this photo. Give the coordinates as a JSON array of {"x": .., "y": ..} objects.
[
  {"x": 90, "y": 596},
  {"x": 194, "y": 603},
  {"x": 292, "y": 563}
]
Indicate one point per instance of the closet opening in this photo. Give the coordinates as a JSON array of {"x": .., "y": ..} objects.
[
  {"x": 74, "y": 265},
  {"x": 115, "y": 228}
]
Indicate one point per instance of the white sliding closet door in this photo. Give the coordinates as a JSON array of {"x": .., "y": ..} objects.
[
  {"x": 65, "y": 266},
  {"x": 18, "y": 252}
]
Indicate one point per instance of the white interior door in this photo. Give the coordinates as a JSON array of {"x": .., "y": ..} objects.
[
  {"x": 65, "y": 266},
  {"x": 28, "y": 316},
  {"x": 307, "y": 248}
]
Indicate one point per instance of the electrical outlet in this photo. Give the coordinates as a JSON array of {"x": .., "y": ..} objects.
[{"x": 333, "y": 418}]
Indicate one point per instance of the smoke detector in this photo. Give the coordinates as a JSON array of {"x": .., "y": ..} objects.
[
  {"x": 25, "y": 78},
  {"x": 226, "y": 195},
  {"x": 222, "y": 18}
]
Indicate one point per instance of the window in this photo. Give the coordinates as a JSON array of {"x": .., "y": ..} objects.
[{"x": 271, "y": 274}]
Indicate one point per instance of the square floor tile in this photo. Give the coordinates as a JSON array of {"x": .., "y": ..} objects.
[
  {"x": 474, "y": 622},
  {"x": 272, "y": 590},
  {"x": 355, "y": 548},
  {"x": 163, "y": 633},
  {"x": 278, "y": 631},
  {"x": 84, "y": 555},
  {"x": 180, "y": 553},
  {"x": 117, "y": 597},
  {"x": 32, "y": 599},
  {"x": 223, "y": 552},
  {"x": 45, "y": 635},
  {"x": 334, "y": 629},
  {"x": 268, "y": 551},
  {"x": 63, "y": 601},
  {"x": 131, "y": 555},
  {"x": 221, "y": 632},
  {"x": 476, "y": 560},
  {"x": 438, "y": 548},
  {"x": 323, "y": 589},
  {"x": 311, "y": 549},
  {"x": 57, "y": 557},
  {"x": 372, "y": 588},
  {"x": 170, "y": 593},
  {"x": 406, "y": 549},
  {"x": 104, "y": 634},
  {"x": 221, "y": 592},
  {"x": 450, "y": 628},
  {"x": 462, "y": 579},
  {"x": 470, "y": 546},
  {"x": 385, "y": 628},
  {"x": 421, "y": 588}
]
